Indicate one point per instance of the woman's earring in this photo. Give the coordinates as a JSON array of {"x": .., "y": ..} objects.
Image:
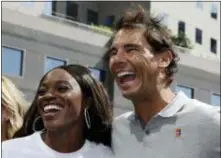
[
  {"x": 34, "y": 124},
  {"x": 87, "y": 118}
]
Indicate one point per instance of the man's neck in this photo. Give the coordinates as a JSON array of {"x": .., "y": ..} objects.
[
  {"x": 65, "y": 141},
  {"x": 147, "y": 109}
]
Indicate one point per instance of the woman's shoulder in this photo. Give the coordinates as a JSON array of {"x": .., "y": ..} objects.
[{"x": 100, "y": 150}]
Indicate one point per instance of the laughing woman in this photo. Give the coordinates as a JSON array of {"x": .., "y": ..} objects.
[
  {"x": 70, "y": 117},
  {"x": 13, "y": 109}
]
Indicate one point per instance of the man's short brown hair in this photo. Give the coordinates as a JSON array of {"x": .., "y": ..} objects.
[{"x": 158, "y": 36}]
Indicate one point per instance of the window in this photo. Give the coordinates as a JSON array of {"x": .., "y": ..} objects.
[
  {"x": 199, "y": 4},
  {"x": 54, "y": 7},
  {"x": 52, "y": 63},
  {"x": 181, "y": 27},
  {"x": 215, "y": 99},
  {"x": 92, "y": 17},
  {"x": 198, "y": 37},
  {"x": 98, "y": 74},
  {"x": 109, "y": 21},
  {"x": 29, "y": 4},
  {"x": 213, "y": 45},
  {"x": 71, "y": 10},
  {"x": 188, "y": 91},
  {"x": 12, "y": 61},
  {"x": 48, "y": 7},
  {"x": 213, "y": 11}
]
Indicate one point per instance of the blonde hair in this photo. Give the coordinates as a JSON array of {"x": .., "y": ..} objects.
[{"x": 15, "y": 105}]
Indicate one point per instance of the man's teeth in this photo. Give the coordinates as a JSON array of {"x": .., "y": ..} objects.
[
  {"x": 125, "y": 73},
  {"x": 51, "y": 107}
]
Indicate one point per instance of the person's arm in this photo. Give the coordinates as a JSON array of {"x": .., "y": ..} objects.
[
  {"x": 213, "y": 128},
  {"x": 6, "y": 150},
  {"x": 104, "y": 152}
]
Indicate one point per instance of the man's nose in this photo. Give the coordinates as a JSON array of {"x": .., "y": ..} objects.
[{"x": 120, "y": 56}]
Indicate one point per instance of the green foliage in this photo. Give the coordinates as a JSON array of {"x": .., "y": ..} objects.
[
  {"x": 102, "y": 28},
  {"x": 182, "y": 40}
]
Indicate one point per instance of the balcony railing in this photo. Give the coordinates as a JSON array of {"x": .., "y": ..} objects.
[
  {"x": 75, "y": 22},
  {"x": 102, "y": 30}
]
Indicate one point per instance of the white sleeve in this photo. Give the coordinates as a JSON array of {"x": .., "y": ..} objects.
[
  {"x": 7, "y": 150},
  {"x": 103, "y": 152},
  {"x": 107, "y": 153}
]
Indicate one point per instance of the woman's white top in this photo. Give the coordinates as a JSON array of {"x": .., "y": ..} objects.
[{"x": 34, "y": 147}]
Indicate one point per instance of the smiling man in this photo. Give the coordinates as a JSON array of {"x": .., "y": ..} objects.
[{"x": 164, "y": 124}]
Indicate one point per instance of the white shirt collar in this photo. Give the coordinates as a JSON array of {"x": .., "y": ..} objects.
[
  {"x": 177, "y": 103},
  {"x": 170, "y": 110}
]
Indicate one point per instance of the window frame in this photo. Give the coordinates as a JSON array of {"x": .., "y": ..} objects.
[
  {"x": 199, "y": 4},
  {"x": 102, "y": 73},
  {"x": 22, "y": 63},
  {"x": 48, "y": 8},
  {"x": 70, "y": 17},
  {"x": 53, "y": 8},
  {"x": 109, "y": 16},
  {"x": 187, "y": 87},
  {"x": 201, "y": 39},
  {"x": 214, "y": 94},
  {"x": 181, "y": 22},
  {"x": 211, "y": 50},
  {"x": 211, "y": 11},
  {"x": 90, "y": 10},
  {"x": 55, "y": 58}
]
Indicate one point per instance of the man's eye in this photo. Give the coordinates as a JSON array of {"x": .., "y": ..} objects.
[
  {"x": 130, "y": 49},
  {"x": 112, "y": 53}
]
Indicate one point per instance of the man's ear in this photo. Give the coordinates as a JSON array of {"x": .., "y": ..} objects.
[{"x": 164, "y": 59}]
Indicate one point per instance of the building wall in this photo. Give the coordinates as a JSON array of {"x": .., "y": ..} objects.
[
  {"x": 203, "y": 83},
  {"x": 41, "y": 36},
  {"x": 30, "y": 8},
  {"x": 36, "y": 51},
  {"x": 28, "y": 34},
  {"x": 194, "y": 18},
  {"x": 56, "y": 26}
]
